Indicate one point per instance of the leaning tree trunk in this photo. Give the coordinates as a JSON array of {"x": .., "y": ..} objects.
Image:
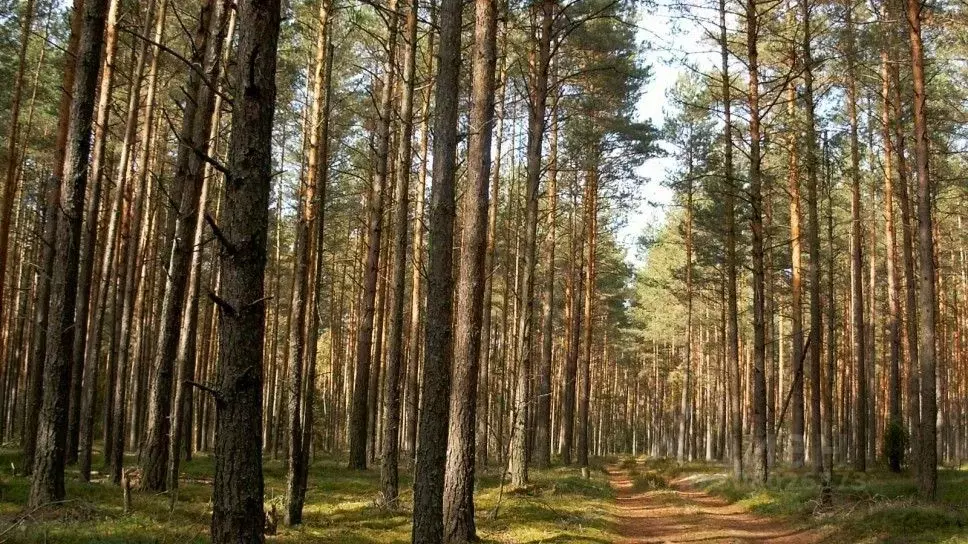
[
  {"x": 459, "y": 525},
  {"x": 237, "y": 512},
  {"x": 48, "y": 478},
  {"x": 428, "y": 484}
]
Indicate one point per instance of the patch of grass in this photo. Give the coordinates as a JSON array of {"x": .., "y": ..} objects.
[{"x": 341, "y": 507}]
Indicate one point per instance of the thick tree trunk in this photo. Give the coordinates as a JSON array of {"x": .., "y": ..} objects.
[
  {"x": 428, "y": 524},
  {"x": 48, "y": 477},
  {"x": 459, "y": 476},
  {"x": 237, "y": 512}
]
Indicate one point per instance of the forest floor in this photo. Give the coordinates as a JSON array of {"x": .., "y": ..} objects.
[
  {"x": 341, "y": 507},
  {"x": 630, "y": 501}
]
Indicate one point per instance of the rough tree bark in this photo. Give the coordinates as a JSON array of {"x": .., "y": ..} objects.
[
  {"x": 47, "y": 484},
  {"x": 459, "y": 525},
  {"x": 237, "y": 512},
  {"x": 428, "y": 490},
  {"x": 189, "y": 180}
]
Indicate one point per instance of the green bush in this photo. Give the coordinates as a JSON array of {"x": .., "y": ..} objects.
[{"x": 895, "y": 440}]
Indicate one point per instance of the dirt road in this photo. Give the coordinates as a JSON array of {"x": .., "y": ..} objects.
[{"x": 684, "y": 514}]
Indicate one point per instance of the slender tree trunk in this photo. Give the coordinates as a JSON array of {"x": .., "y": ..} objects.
[
  {"x": 543, "y": 425},
  {"x": 364, "y": 340},
  {"x": 584, "y": 395},
  {"x": 760, "y": 457},
  {"x": 13, "y": 160},
  {"x": 389, "y": 478},
  {"x": 928, "y": 473},
  {"x": 540, "y": 56},
  {"x": 189, "y": 181},
  {"x": 856, "y": 261},
  {"x": 895, "y": 454},
  {"x": 813, "y": 240},
  {"x": 732, "y": 328}
]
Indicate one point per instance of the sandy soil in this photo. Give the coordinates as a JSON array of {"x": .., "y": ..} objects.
[{"x": 684, "y": 514}]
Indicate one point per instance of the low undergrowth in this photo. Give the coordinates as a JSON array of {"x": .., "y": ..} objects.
[{"x": 341, "y": 507}]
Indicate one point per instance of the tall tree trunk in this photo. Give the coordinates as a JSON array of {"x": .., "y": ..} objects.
[
  {"x": 459, "y": 476},
  {"x": 130, "y": 351},
  {"x": 38, "y": 355},
  {"x": 389, "y": 478},
  {"x": 237, "y": 512},
  {"x": 364, "y": 340},
  {"x": 796, "y": 285},
  {"x": 83, "y": 384},
  {"x": 47, "y": 484},
  {"x": 591, "y": 233},
  {"x": 539, "y": 64},
  {"x": 928, "y": 472},
  {"x": 13, "y": 157},
  {"x": 895, "y": 423},
  {"x": 189, "y": 181},
  {"x": 760, "y": 457},
  {"x": 542, "y": 435},
  {"x": 856, "y": 260},
  {"x": 428, "y": 490},
  {"x": 732, "y": 328},
  {"x": 813, "y": 241},
  {"x": 301, "y": 303}
]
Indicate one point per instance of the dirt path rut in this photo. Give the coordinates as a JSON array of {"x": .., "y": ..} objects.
[{"x": 684, "y": 514}]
